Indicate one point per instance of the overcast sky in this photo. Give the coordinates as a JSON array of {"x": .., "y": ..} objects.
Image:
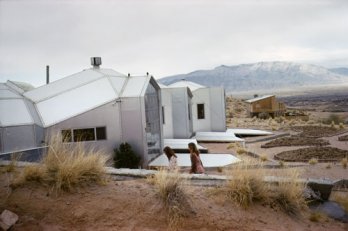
[{"x": 166, "y": 37}]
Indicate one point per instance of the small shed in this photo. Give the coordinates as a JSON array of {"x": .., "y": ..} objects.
[
  {"x": 267, "y": 104},
  {"x": 102, "y": 108},
  {"x": 208, "y": 106},
  {"x": 176, "y": 112},
  {"x": 20, "y": 126}
]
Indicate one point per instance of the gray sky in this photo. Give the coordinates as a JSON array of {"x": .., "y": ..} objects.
[{"x": 166, "y": 37}]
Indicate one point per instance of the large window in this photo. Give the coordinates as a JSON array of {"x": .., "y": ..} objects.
[
  {"x": 85, "y": 134},
  {"x": 200, "y": 111}
]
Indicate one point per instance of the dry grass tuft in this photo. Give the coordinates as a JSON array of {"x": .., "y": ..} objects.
[
  {"x": 246, "y": 187},
  {"x": 233, "y": 145},
  {"x": 317, "y": 216},
  {"x": 328, "y": 166},
  {"x": 344, "y": 162},
  {"x": 241, "y": 151},
  {"x": 313, "y": 161},
  {"x": 281, "y": 164},
  {"x": 170, "y": 189},
  {"x": 288, "y": 194},
  {"x": 66, "y": 167},
  {"x": 263, "y": 158},
  {"x": 15, "y": 157}
]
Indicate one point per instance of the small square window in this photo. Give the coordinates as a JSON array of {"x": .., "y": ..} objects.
[
  {"x": 200, "y": 111},
  {"x": 101, "y": 133}
]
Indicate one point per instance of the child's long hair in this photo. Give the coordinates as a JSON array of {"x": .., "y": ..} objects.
[
  {"x": 193, "y": 147},
  {"x": 169, "y": 152}
]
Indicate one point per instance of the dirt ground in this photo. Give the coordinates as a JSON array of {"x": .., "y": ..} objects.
[{"x": 123, "y": 204}]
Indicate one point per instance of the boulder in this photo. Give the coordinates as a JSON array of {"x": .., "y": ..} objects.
[{"x": 7, "y": 219}]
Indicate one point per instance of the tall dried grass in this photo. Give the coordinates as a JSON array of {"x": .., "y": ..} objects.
[
  {"x": 66, "y": 166},
  {"x": 170, "y": 189},
  {"x": 247, "y": 185},
  {"x": 288, "y": 193}
]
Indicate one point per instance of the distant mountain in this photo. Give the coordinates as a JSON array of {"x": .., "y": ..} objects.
[
  {"x": 262, "y": 76},
  {"x": 340, "y": 70}
]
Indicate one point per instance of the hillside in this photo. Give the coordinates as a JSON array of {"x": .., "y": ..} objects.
[{"x": 263, "y": 76}]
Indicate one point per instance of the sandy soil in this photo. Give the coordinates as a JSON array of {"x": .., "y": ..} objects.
[{"x": 134, "y": 205}]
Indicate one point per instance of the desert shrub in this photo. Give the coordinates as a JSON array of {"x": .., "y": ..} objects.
[
  {"x": 344, "y": 162},
  {"x": 246, "y": 187},
  {"x": 263, "y": 158},
  {"x": 313, "y": 161},
  {"x": 170, "y": 189},
  {"x": 328, "y": 166},
  {"x": 66, "y": 167},
  {"x": 341, "y": 125},
  {"x": 241, "y": 151},
  {"x": 125, "y": 157},
  {"x": 288, "y": 194}
]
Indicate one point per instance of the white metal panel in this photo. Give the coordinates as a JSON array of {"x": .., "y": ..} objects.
[
  {"x": 118, "y": 83},
  {"x": 193, "y": 86},
  {"x": 109, "y": 72},
  {"x": 8, "y": 94},
  {"x": 249, "y": 132},
  {"x": 14, "y": 112},
  {"x": 217, "y": 137},
  {"x": 3, "y": 86},
  {"x": 76, "y": 101},
  {"x": 135, "y": 86},
  {"x": 62, "y": 85},
  {"x": 208, "y": 160}
]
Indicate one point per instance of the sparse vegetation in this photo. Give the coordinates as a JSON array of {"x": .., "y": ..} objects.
[
  {"x": 263, "y": 158},
  {"x": 313, "y": 161},
  {"x": 317, "y": 216},
  {"x": 333, "y": 119},
  {"x": 125, "y": 157},
  {"x": 328, "y": 166},
  {"x": 174, "y": 198},
  {"x": 281, "y": 164},
  {"x": 246, "y": 186},
  {"x": 65, "y": 167},
  {"x": 241, "y": 151},
  {"x": 342, "y": 200},
  {"x": 288, "y": 194},
  {"x": 15, "y": 157}
]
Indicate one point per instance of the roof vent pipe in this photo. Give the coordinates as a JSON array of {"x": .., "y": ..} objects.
[
  {"x": 47, "y": 74},
  {"x": 96, "y": 62}
]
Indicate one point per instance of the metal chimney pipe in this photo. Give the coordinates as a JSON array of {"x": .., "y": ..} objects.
[{"x": 47, "y": 74}]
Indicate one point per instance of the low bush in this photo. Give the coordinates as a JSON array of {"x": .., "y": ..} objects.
[
  {"x": 170, "y": 189},
  {"x": 65, "y": 167},
  {"x": 125, "y": 157}
]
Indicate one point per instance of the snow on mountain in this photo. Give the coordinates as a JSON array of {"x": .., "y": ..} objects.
[{"x": 262, "y": 76}]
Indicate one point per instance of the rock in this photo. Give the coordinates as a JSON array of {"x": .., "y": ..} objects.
[
  {"x": 333, "y": 210},
  {"x": 7, "y": 219}
]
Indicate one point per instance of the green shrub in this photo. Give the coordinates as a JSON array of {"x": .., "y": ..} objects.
[{"x": 125, "y": 157}]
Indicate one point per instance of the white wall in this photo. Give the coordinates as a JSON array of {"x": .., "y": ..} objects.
[{"x": 104, "y": 116}]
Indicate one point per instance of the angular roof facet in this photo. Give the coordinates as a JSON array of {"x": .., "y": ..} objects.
[{"x": 183, "y": 83}]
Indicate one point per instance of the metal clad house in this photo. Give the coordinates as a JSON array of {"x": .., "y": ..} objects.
[
  {"x": 20, "y": 126},
  {"x": 267, "y": 104},
  {"x": 208, "y": 106},
  {"x": 176, "y": 112},
  {"x": 103, "y": 108}
]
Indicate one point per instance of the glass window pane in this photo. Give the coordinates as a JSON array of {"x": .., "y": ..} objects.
[
  {"x": 84, "y": 134},
  {"x": 200, "y": 111},
  {"x": 101, "y": 133}
]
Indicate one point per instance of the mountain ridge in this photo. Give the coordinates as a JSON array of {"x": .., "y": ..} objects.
[{"x": 263, "y": 76}]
